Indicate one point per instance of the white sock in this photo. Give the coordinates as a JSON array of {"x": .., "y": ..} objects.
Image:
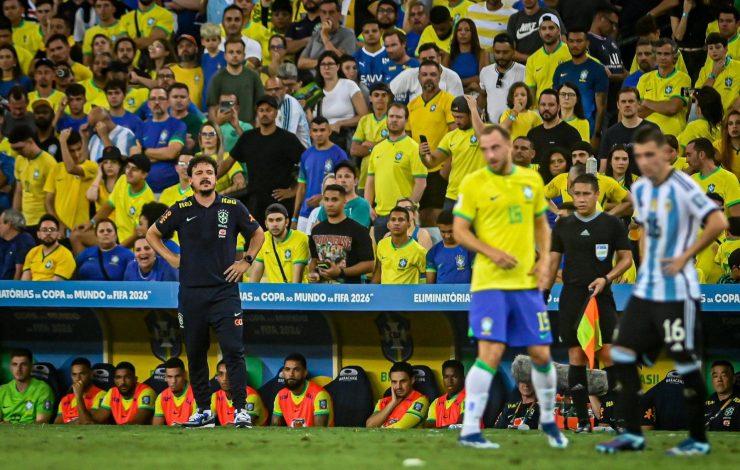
[
  {"x": 477, "y": 385},
  {"x": 544, "y": 380}
]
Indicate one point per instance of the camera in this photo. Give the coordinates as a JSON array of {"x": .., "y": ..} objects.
[
  {"x": 689, "y": 92},
  {"x": 225, "y": 106}
]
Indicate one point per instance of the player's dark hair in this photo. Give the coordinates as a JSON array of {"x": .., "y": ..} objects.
[
  {"x": 716, "y": 38},
  {"x": 702, "y": 144},
  {"x": 81, "y": 361},
  {"x": 645, "y": 135},
  {"x": 345, "y": 164},
  {"x": 589, "y": 179},
  {"x": 445, "y": 217},
  {"x": 428, "y": 45},
  {"x": 629, "y": 89},
  {"x": 403, "y": 210},
  {"x": 22, "y": 352},
  {"x": 454, "y": 364},
  {"x": 48, "y": 218},
  {"x": 75, "y": 89},
  {"x": 402, "y": 366},
  {"x": 734, "y": 228},
  {"x": 722, "y": 362},
  {"x": 439, "y": 14},
  {"x": 503, "y": 38},
  {"x": 319, "y": 120},
  {"x": 296, "y": 357},
  {"x": 201, "y": 159},
  {"x": 734, "y": 259},
  {"x": 672, "y": 141},
  {"x": 513, "y": 88},
  {"x": 335, "y": 187},
  {"x": 125, "y": 365},
  {"x": 174, "y": 363},
  {"x": 152, "y": 211}
]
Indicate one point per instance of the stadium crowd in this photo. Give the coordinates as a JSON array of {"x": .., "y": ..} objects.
[
  {"x": 345, "y": 131},
  {"x": 107, "y": 394}
]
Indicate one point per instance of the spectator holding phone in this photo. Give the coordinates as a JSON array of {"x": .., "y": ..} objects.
[{"x": 227, "y": 117}]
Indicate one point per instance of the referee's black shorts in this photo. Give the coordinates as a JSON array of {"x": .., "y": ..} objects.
[
  {"x": 572, "y": 303},
  {"x": 434, "y": 194},
  {"x": 647, "y": 326}
]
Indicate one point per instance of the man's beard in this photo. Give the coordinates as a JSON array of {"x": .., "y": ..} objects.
[
  {"x": 547, "y": 117},
  {"x": 206, "y": 191},
  {"x": 188, "y": 57},
  {"x": 48, "y": 243},
  {"x": 43, "y": 124},
  {"x": 385, "y": 25}
]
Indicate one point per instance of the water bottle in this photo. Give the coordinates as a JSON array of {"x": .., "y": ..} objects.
[{"x": 592, "y": 166}]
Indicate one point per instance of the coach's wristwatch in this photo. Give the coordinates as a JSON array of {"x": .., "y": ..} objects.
[{"x": 249, "y": 259}]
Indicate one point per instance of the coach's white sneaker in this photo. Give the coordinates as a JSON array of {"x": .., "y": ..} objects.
[{"x": 242, "y": 419}]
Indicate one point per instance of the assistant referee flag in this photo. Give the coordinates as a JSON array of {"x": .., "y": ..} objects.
[{"x": 589, "y": 331}]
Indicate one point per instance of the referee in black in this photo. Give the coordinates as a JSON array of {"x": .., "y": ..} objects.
[
  {"x": 208, "y": 224},
  {"x": 589, "y": 240}
]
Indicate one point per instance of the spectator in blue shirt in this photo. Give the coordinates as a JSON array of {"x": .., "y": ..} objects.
[
  {"x": 448, "y": 262},
  {"x": 590, "y": 77},
  {"x": 75, "y": 102},
  {"x": 316, "y": 162},
  {"x": 7, "y": 175},
  {"x": 645, "y": 56},
  {"x": 213, "y": 59},
  {"x": 15, "y": 244},
  {"x": 108, "y": 260},
  {"x": 150, "y": 213},
  {"x": 148, "y": 266},
  {"x": 11, "y": 71},
  {"x": 355, "y": 207},
  {"x": 115, "y": 94},
  {"x": 161, "y": 139}
]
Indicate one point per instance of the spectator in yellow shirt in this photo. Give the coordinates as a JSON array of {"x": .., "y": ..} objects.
[
  {"x": 439, "y": 31},
  {"x": 31, "y": 170},
  {"x": 48, "y": 261},
  {"x": 400, "y": 259}
]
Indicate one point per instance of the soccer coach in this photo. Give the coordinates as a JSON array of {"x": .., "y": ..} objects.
[
  {"x": 588, "y": 239},
  {"x": 208, "y": 224}
]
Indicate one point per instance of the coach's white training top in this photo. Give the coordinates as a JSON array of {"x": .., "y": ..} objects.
[{"x": 671, "y": 215}]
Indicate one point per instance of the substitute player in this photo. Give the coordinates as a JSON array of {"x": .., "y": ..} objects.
[
  {"x": 223, "y": 407},
  {"x": 588, "y": 239},
  {"x": 405, "y": 408},
  {"x": 505, "y": 205},
  {"x": 176, "y": 403},
  {"x": 208, "y": 224},
  {"x": 77, "y": 407},
  {"x": 665, "y": 300}
]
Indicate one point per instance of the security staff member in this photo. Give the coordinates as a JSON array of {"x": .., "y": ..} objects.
[
  {"x": 208, "y": 224},
  {"x": 589, "y": 240}
]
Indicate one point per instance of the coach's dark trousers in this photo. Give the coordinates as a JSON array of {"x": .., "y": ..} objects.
[{"x": 219, "y": 307}]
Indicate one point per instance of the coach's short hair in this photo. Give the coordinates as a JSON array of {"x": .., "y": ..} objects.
[
  {"x": 201, "y": 159},
  {"x": 125, "y": 365},
  {"x": 645, "y": 135},
  {"x": 402, "y": 366},
  {"x": 296, "y": 357}
]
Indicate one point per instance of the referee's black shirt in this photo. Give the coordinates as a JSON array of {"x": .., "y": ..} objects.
[
  {"x": 588, "y": 247},
  {"x": 207, "y": 237}
]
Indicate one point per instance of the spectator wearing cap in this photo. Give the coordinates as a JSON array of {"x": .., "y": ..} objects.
[
  {"x": 542, "y": 63},
  {"x": 291, "y": 115},
  {"x": 127, "y": 198},
  {"x": 161, "y": 139},
  {"x": 331, "y": 36},
  {"x": 440, "y": 30},
  {"x": 524, "y": 27},
  {"x": 372, "y": 128},
  {"x": 238, "y": 79},
  {"x": 316, "y": 162},
  {"x": 188, "y": 69},
  {"x": 460, "y": 146},
  {"x": 406, "y": 86},
  {"x": 103, "y": 132},
  {"x": 148, "y": 23},
  {"x": 26, "y": 34},
  {"x": 399, "y": 59},
  {"x": 75, "y": 102},
  {"x": 284, "y": 254},
  {"x": 68, "y": 182},
  {"x": 213, "y": 59},
  {"x": 233, "y": 21},
  {"x": 43, "y": 117},
  {"x": 271, "y": 170},
  {"x": 48, "y": 261},
  {"x": 31, "y": 171},
  {"x": 43, "y": 77},
  {"x": 58, "y": 51},
  {"x": 490, "y": 18},
  {"x": 590, "y": 77},
  {"x": 15, "y": 243},
  {"x": 496, "y": 79},
  {"x": 18, "y": 112},
  {"x": 300, "y": 31},
  {"x": 108, "y": 25}
]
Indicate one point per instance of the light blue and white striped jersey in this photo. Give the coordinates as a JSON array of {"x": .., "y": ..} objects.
[{"x": 671, "y": 214}]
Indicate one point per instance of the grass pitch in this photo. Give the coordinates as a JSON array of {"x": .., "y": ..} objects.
[{"x": 108, "y": 447}]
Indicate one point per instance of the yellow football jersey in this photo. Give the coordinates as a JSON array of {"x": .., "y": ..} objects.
[
  {"x": 28, "y": 36},
  {"x": 727, "y": 82},
  {"x": 724, "y": 251},
  {"x": 369, "y": 129},
  {"x": 656, "y": 88},
  {"x": 144, "y": 21},
  {"x": 523, "y": 123},
  {"x": 721, "y": 182},
  {"x": 395, "y": 164},
  {"x": 70, "y": 201},
  {"x": 698, "y": 128},
  {"x": 582, "y": 126},
  {"x": 431, "y": 119},
  {"x": 54, "y": 99},
  {"x": 401, "y": 264},
  {"x": 128, "y": 206},
  {"x": 112, "y": 32},
  {"x": 502, "y": 210},
  {"x": 541, "y": 67},
  {"x": 31, "y": 174},
  {"x": 609, "y": 188},
  {"x": 194, "y": 79},
  {"x": 463, "y": 148},
  {"x": 291, "y": 251},
  {"x": 428, "y": 35},
  {"x": 60, "y": 262}
]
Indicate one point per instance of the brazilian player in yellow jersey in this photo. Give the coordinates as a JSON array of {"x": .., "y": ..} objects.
[
  {"x": 284, "y": 254},
  {"x": 660, "y": 91},
  {"x": 399, "y": 259},
  {"x": 501, "y": 215}
]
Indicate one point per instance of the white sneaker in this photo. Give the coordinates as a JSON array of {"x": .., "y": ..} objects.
[{"x": 242, "y": 419}]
